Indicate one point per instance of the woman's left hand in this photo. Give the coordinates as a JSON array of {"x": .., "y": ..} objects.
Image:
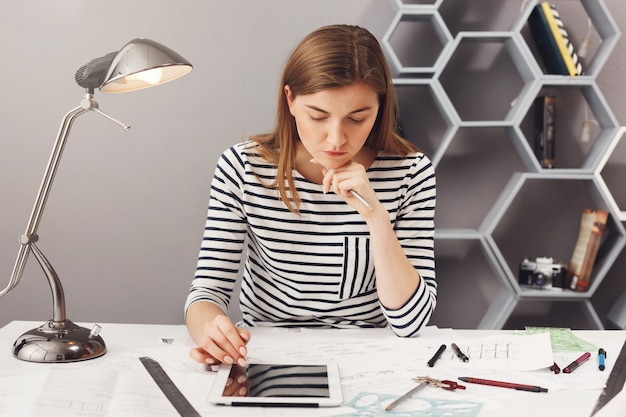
[{"x": 348, "y": 179}]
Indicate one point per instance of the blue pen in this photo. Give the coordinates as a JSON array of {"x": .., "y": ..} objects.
[{"x": 601, "y": 358}]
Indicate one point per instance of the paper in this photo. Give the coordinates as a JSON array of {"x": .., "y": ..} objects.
[
  {"x": 504, "y": 352},
  {"x": 563, "y": 340},
  {"x": 373, "y": 405}
]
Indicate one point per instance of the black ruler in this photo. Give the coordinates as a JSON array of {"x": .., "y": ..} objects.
[
  {"x": 173, "y": 394},
  {"x": 615, "y": 383}
]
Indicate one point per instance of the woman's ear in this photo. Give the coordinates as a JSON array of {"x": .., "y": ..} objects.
[{"x": 289, "y": 97}]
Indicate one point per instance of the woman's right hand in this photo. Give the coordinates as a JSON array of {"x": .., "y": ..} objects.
[{"x": 222, "y": 342}]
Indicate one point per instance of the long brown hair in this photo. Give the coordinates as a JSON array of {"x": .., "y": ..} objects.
[{"x": 330, "y": 57}]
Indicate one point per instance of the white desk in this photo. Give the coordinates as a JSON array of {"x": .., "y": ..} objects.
[{"x": 87, "y": 388}]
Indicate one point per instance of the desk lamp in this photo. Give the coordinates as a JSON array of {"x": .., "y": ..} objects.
[{"x": 141, "y": 63}]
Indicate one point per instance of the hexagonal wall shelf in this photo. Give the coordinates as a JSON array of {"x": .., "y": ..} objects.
[
  {"x": 493, "y": 299},
  {"x": 487, "y": 76},
  {"x": 539, "y": 209},
  {"x": 578, "y": 103},
  {"x": 480, "y": 15},
  {"x": 467, "y": 101},
  {"x": 466, "y": 164},
  {"x": 602, "y": 31},
  {"x": 415, "y": 42},
  {"x": 432, "y": 125}
]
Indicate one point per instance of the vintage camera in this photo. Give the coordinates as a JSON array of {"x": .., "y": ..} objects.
[{"x": 543, "y": 272}]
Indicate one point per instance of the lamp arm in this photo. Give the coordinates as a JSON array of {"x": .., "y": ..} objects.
[
  {"x": 42, "y": 196},
  {"x": 58, "y": 296},
  {"x": 28, "y": 239}
]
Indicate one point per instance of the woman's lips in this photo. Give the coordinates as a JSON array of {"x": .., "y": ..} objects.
[{"x": 334, "y": 154}]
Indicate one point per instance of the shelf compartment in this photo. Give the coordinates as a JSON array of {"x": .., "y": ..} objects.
[
  {"x": 415, "y": 42},
  {"x": 487, "y": 76},
  {"x": 431, "y": 127},
  {"x": 480, "y": 15},
  {"x": 577, "y": 101},
  {"x": 475, "y": 155},
  {"x": 576, "y": 17},
  {"x": 459, "y": 251},
  {"x": 539, "y": 211}
]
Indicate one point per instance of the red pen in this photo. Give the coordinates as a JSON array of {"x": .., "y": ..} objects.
[
  {"x": 512, "y": 385},
  {"x": 572, "y": 366}
]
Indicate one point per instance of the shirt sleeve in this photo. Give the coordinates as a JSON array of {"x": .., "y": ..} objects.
[
  {"x": 415, "y": 229},
  {"x": 224, "y": 235}
]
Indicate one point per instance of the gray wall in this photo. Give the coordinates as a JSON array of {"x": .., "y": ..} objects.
[{"x": 124, "y": 220}]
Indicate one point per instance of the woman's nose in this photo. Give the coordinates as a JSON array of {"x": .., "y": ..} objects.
[{"x": 336, "y": 135}]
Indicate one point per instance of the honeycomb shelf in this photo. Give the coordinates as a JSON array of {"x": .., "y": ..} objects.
[{"x": 467, "y": 77}]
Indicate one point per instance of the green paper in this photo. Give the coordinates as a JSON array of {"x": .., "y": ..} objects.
[{"x": 563, "y": 340}]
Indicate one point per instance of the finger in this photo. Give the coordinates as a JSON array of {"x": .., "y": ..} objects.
[
  {"x": 219, "y": 347},
  {"x": 238, "y": 338},
  {"x": 225, "y": 342},
  {"x": 245, "y": 336},
  {"x": 200, "y": 355},
  {"x": 327, "y": 181}
]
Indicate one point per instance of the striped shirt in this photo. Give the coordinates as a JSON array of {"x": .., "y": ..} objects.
[{"x": 315, "y": 268}]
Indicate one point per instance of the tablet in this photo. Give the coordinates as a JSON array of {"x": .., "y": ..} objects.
[{"x": 277, "y": 385}]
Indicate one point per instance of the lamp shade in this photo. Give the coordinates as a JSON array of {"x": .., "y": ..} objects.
[{"x": 143, "y": 63}]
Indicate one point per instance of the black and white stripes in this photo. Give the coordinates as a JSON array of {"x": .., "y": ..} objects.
[{"x": 314, "y": 269}]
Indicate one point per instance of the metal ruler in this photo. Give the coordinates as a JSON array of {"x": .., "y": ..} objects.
[
  {"x": 615, "y": 383},
  {"x": 173, "y": 394}
]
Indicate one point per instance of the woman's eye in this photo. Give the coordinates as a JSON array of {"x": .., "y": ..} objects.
[
  {"x": 357, "y": 121},
  {"x": 317, "y": 118}
]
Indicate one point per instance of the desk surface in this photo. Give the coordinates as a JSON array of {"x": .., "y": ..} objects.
[{"x": 370, "y": 360}]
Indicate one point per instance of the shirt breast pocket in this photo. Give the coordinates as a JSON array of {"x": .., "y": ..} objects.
[{"x": 358, "y": 268}]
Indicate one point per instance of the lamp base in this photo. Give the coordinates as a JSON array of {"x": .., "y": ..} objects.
[{"x": 56, "y": 342}]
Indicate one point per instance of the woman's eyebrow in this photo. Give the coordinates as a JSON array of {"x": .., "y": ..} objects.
[{"x": 359, "y": 110}]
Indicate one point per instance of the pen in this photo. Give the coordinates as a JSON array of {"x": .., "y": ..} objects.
[
  {"x": 361, "y": 199},
  {"x": 405, "y": 396},
  {"x": 436, "y": 356},
  {"x": 601, "y": 358},
  {"x": 572, "y": 366},
  {"x": 519, "y": 387},
  {"x": 458, "y": 352}
]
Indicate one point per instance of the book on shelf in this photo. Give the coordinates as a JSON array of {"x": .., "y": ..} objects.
[
  {"x": 545, "y": 113},
  {"x": 592, "y": 226},
  {"x": 552, "y": 40}
]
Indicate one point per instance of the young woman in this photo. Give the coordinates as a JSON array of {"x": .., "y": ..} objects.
[{"x": 334, "y": 208}]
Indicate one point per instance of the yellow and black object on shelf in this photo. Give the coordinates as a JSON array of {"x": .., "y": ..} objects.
[{"x": 552, "y": 40}]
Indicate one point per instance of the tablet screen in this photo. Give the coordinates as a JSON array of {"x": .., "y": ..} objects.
[
  {"x": 282, "y": 380},
  {"x": 277, "y": 384}
]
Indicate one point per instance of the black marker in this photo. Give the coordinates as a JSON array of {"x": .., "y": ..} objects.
[
  {"x": 436, "y": 356},
  {"x": 458, "y": 352}
]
